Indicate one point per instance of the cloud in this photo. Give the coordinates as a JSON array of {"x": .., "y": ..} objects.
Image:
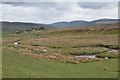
[
  {"x": 13, "y": 3},
  {"x": 60, "y": 1},
  {"x": 31, "y": 4},
  {"x": 49, "y": 12},
  {"x": 97, "y": 5}
]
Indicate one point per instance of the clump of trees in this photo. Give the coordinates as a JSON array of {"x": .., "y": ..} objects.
[
  {"x": 41, "y": 28},
  {"x": 33, "y": 29}
]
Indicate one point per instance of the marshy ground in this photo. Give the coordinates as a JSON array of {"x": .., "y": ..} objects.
[{"x": 66, "y": 49}]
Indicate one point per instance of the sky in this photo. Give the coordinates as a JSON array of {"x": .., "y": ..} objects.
[{"x": 50, "y": 12}]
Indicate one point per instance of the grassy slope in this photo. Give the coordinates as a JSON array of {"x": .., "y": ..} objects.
[{"x": 17, "y": 65}]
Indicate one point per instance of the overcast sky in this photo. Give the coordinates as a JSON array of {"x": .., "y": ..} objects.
[{"x": 50, "y": 12}]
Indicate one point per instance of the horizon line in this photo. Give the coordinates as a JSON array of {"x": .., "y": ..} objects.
[{"x": 57, "y": 21}]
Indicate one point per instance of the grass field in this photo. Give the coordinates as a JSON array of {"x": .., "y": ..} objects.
[
  {"x": 52, "y": 53},
  {"x": 17, "y": 65}
]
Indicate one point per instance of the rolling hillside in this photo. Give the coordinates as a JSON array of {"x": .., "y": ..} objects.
[
  {"x": 80, "y": 23},
  {"x": 14, "y": 26}
]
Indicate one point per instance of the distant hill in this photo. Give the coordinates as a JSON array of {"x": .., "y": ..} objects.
[
  {"x": 80, "y": 23},
  {"x": 104, "y": 21},
  {"x": 14, "y": 26}
]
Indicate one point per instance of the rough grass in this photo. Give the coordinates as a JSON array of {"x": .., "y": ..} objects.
[
  {"x": 76, "y": 42},
  {"x": 20, "y": 66},
  {"x": 107, "y": 54},
  {"x": 88, "y": 50}
]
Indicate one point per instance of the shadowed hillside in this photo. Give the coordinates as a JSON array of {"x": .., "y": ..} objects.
[
  {"x": 14, "y": 26},
  {"x": 96, "y": 29},
  {"x": 80, "y": 23}
]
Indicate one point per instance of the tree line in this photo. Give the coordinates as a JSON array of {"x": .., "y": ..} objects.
[{"x": 33, "y": 29}]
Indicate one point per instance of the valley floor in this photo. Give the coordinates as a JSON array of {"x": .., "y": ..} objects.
[{"x": 55, "y": 54}]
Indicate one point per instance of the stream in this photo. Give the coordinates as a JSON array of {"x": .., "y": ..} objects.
[{"x": 94, "y": 56}]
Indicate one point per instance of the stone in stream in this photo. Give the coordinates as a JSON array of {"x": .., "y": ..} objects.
[
  {"x": 45, "y": 50},
  {"x": 15, "y": 43},
  {"x": 112, "y": 50},
  {"x": 106, "y": 58}
]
